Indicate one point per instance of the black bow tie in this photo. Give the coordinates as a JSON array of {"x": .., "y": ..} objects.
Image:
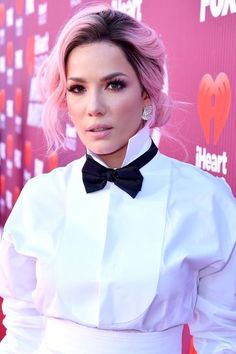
[{"x": 128, "y": 178}]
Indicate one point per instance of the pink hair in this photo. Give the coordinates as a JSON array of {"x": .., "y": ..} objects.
[{"x": 142, "y": 47}]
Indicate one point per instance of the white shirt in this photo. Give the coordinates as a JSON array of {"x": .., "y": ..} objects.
[{"x": 109, "y": 261}]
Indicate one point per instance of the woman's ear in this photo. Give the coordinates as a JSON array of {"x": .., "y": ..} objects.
[
  {"x": 147, "y": 106},
  {"x": 146, "y": 99}
]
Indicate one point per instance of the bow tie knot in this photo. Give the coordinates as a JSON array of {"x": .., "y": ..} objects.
[
  {"x": 128, "y": 178},
  {"x": 125, "y": 173},
  {"x": 111, "y": 175}
]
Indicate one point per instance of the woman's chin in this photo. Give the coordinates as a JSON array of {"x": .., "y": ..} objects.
[{"x": 102, "y": 152}]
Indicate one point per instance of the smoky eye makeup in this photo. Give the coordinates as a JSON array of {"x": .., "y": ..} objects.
[
  {"x": 76, "y": 88},
  {"x": 116, "y": 84},
  {"x": 77, "y": 85}
]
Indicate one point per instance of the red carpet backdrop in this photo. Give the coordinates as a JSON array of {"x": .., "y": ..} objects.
[{"x": 200, "y": 39}]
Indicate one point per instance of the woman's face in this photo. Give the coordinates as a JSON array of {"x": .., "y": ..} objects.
[{"x": 104, "y": 99}]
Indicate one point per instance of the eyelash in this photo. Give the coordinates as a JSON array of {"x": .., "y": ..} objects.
[
  {"x": 117, "y": 82},
  {"x": 79, "y": 89}
]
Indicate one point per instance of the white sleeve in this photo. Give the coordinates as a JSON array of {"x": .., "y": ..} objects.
[
  {"x": 17, "y": 281},
  {"x": 28, "y": 238},
  {"x": 214, "y": 324}
]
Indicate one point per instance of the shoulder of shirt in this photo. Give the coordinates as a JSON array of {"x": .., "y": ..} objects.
[
  {"x": 41, "y": 194},
  {"x": 193, "y": 176},
  {"x": 58, "y": 174}
]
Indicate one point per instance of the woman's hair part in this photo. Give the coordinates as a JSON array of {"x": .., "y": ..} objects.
[{"x": 140, "y": 44}]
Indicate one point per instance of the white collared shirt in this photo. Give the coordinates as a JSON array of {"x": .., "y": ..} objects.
[{"x": 109, "y": 261}]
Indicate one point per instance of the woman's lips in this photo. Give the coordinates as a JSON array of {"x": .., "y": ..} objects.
[{"x": 99, "y": 131}]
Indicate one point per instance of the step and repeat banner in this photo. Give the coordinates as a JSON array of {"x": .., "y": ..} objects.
[{"x": 200, "y": 40}]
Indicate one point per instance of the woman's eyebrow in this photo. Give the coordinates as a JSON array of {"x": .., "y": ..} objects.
[
  {"x": 111, "y": 76},
  {"x": 105, "y": 78}
]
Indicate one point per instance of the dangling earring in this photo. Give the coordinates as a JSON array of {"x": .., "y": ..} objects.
[{"x": 147, "y": 112}]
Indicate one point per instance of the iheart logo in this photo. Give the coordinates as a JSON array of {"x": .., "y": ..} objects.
[
  {"x": 18, "y": 100},
  {"x": 10, "y": 53},
  {"x": 27, "y": 154},
  {"x": 52, "y": 161},
  {"x": 214, "y": 98},
  {"x": 30, "y": 55},
  {"x": 16, "y": 193},
  {"x": 2, "y": 185},
  {"x": 2, "y": 100},
  {"x": 2, "y": 14},
  {"x": 19, "y": 7},
  {"x": 10, "y": 146}
]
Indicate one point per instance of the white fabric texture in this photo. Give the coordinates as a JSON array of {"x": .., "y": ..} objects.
[
  {"x": 105, "y": 260},
  {"x": 76, "y": 339}
]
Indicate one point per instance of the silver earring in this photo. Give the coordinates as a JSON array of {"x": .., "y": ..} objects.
[{"x": 147, "y": 112}]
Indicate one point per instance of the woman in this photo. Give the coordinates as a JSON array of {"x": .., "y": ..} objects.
[{"x": 116, "y": 251}]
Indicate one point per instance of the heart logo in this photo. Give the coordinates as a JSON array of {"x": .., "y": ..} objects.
[
  {"x": 2, "y": 100},
  {"x": 10, "y": 146},
  {"x": 52, "y": 161},
  {"x": 2, "y": 14},
  {"x": 2, "y": 185},
  {"x": 214, "y": 99},
  {"x": 192, "y": 350},
  {"x": 10, "y": 53},
  {"x": 27, "y": 154},
  {"x": 30, "y": 55},
  {"x": 16, "y": 193},
  {"x": 19, "y": 7},
  {"x": 18, "y": 100}
]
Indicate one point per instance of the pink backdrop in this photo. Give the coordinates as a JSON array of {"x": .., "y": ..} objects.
[{"x": 200, "y": 40}]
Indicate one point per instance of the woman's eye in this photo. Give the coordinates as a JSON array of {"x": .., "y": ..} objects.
[
  {"x": 76, "y": 89},
  {"x": 116, "y": 85}
]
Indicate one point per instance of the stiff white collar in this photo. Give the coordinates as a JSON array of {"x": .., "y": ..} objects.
[{"x": 138, "y": 144}]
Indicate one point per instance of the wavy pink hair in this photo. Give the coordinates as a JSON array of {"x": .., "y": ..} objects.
[{"x": 142, "y": 47}]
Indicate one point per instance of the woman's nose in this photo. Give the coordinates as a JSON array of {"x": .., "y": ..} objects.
[{"x": 96, "y": 104}]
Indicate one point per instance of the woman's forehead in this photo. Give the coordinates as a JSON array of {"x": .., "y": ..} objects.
[{"x": 102, "y": 58}]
